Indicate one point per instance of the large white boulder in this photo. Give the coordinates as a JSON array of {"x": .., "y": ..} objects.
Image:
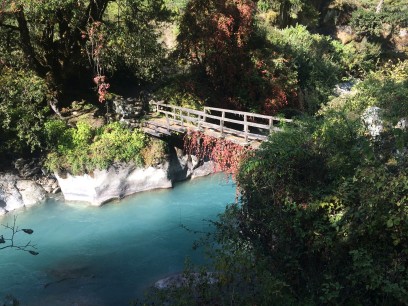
[
  {"x": 121, "y": 180},
  {"x": 114, "y": 183}
]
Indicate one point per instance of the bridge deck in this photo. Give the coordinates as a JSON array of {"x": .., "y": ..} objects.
[{"x": 239, "y": 127}]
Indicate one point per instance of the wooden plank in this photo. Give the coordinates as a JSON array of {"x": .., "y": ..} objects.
[
  {"x": 257, "y": 125},
  {"x": 210, "y": 125},
  {"x": 151, "y": 132},
  {"x": 250, "y": 135}
]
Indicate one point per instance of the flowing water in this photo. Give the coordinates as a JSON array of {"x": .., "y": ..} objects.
[{"x": 110, "y": 255}]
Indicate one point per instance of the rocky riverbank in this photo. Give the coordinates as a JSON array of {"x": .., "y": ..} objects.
[
  {"x": 29, "y": 184},
  {"x": 26, "y": 185},
  {"x": 121, "y": 180}
]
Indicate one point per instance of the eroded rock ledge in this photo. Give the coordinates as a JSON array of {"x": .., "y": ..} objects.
[
  {"x": 27, "y": 187},
  {"x": 121, "y": 180}
]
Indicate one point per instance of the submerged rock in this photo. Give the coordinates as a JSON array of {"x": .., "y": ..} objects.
[
  {"x": 186, "y": 279},
  {"x": 206, "y": 168}
]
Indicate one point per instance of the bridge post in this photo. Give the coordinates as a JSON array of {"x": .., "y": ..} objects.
[
  {"x": 246, "y": 127},
  {"x": 199, "y": 122},
  {"x": 222, "y": 123},
  {"x": 204, "y": 118},
  {"x": 168, "y": 122}
]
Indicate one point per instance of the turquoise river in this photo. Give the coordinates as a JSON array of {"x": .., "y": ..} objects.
[{"x": 110, "y": 255}]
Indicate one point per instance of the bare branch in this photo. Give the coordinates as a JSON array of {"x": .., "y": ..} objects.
[{"x": 10, "y": 242}]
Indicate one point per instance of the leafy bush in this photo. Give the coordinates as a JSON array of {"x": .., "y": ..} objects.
[
  {"x": 386, "y": 88},
  {"x": 317, "y": 60},
  {"x": 373, "y": 25},
  {"x": 360, "y": 58},
  {"x": 23, "y": 109},
  {"x": 181, "y": 92},
  {"x": 84, "y": 149},
  {"x": 323, "y": 217},
  {"x": 367, "y": 23},
  {"x": 154, "y": 152}
]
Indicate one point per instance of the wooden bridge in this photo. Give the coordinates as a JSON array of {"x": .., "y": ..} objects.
[{"x": 243, "y": 128}]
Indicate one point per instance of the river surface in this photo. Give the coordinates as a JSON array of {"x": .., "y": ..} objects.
[{"x": 110, "y": 255}]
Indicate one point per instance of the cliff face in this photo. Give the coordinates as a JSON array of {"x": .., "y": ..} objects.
[
  {"x": 114, "y": 183},
  {"x": 122, "y": 180}
]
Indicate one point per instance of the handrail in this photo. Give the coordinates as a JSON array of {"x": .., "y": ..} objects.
[
  {"x": 181, "y": 115},
  {"x": 241, "y": 113}
]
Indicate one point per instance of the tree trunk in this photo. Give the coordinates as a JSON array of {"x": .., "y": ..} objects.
[
  {"x": 379, "y": 6},
  {"x": 26, "y": 45},
  {"x": 284, "y": 14}
]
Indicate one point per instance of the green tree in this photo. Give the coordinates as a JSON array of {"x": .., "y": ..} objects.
[
  {"x": 56, "y": 39},
  {"x": 23, "y": 110},
  {"x": 221, "y": 44},
  {"x": 323, "y": 217},
  {"x": 324, "y": 206}
]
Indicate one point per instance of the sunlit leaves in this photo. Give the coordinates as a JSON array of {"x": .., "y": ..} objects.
[
  {"x": 84, "y": 149},
  {"x": 22, "y": 110}
]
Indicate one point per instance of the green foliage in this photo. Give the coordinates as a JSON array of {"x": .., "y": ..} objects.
[
  {"x": 377, "y": 25},
  {"x": 132, "y": 41},
  {"x": 323, "y": 217},
  {"x": 83, "y": 149},
  {"x": 180, "y": 92},
  {"x": 22, "y": 111},
  {"x": 66, "y": 42},
  {"x": 386, "y": 88},
  {"x": 360, "y": 58},
  {"x": 176, "y": 6},
  {"x": 367, "y": 23},
  {"x": 317, "y": 61},
  {"x": 291, "y": 12}
]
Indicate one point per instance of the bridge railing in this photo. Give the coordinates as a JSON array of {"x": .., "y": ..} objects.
[
  {"x": 255, "y": 126},
  {"x": 179, "y": 115}
]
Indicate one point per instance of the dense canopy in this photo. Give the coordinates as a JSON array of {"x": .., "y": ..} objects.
[{"x": 322, "y": 216}]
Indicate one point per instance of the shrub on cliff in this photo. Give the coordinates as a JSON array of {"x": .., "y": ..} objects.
[{"x": 83, "y": 149}]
